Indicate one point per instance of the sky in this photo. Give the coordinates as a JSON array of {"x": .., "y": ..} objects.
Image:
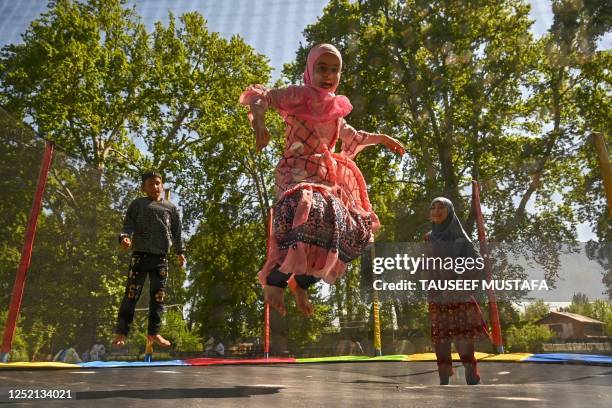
[{"x": 272, "y": 27}]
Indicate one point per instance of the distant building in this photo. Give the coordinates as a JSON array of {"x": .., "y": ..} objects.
[{"x": 572, "y": 326}]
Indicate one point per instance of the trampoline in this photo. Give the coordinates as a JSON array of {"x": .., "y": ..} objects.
[{"x": 390, "y": 381}]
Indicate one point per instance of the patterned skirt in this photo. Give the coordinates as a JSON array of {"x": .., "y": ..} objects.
[
  {"x": 454, "y": 321},
  {"x": 327, "y": 236}
]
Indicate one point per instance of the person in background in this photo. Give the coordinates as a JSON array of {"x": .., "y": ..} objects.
[
  {"x": 220, "y": 350},
  {"x": 455, "y": 316}
]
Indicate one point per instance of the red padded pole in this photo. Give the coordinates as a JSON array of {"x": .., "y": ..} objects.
[
  {"x": 484, "y": 250},
  {"x": 26, "y": 255}
]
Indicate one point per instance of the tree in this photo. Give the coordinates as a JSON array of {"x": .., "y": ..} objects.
[
  {"x": 599, "y": 309},
  {"x": 585, "y": 85},
  {"x": 536, "y": 310},
  {"x": 20, "y": 156},
  {"x": 602, "y": 311},
  {"x": 580, "y": 305},
  {"x": 77, "y": 79},
  {"x": 528, "y": 338}
]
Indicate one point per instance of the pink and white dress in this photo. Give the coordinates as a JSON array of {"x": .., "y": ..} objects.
[{"x": 323, "y": 218}]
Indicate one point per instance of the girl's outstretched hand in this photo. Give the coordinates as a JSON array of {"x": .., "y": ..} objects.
[
  {"x": 262, "y": 136},
  {"x": 393, "y": 144}
]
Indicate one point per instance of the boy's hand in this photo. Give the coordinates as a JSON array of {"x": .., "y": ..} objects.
[
  {"x": 180, "y": 260},
  {"x": 126, "y": 243},
  {"x": 393, "y": 144}
]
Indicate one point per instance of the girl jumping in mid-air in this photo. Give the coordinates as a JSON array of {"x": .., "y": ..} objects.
[{"x": 322, "y": 218}]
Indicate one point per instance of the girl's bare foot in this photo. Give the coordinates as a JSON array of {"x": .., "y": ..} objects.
[
  {"x": 119, "y": 340},
  {"x": 275, "y": 297},
  {"x": 159, "y": 340},
  {"x": 302, "y": 299}
]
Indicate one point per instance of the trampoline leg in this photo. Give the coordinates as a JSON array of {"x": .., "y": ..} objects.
[
  {"x": 500, "y": 349},
  {"x": 4, "y": 357},
  {"x": 148, "y": 352},
  {"x": 267, "y": 331}
]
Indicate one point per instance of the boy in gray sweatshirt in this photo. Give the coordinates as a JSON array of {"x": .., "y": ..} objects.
[{"x": 152, "y": 225}]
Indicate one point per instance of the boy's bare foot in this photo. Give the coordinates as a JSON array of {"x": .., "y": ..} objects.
[
  {"x": 119, "y": 340},
  {"x": 159, "y": 340},
  {"x": 275, "y": 297},
  {"x": 302, "y": 299}
]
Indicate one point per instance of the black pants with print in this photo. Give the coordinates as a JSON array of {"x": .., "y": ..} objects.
[{"x": 143, "y": 264}]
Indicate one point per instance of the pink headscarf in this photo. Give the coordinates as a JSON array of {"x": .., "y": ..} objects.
[
  {"x": 314, "y": 103},
  {"x": 307, "y": 102},
  {"x": 313, "y": 56}
]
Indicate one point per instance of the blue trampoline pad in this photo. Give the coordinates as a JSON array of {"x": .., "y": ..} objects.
[
  {"x": 111, "y": 364},
  {"x": 570, "y": 358}
]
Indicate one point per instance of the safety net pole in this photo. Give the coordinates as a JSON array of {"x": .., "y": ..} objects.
[
  {"x": 26, "y": 255},
  {"x": 267, "y": 306},
  {"x": 484, "y": 250},
  {"x": 376, "y": 315},
  {"x": 604, "y": 165}
]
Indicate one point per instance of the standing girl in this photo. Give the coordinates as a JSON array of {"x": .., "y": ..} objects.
[
  {"x": 454, "y": 315},
  {"x": 322, "y": 218}
]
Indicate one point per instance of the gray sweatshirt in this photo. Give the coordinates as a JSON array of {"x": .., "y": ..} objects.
[{"x": 153, "y": 226}]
